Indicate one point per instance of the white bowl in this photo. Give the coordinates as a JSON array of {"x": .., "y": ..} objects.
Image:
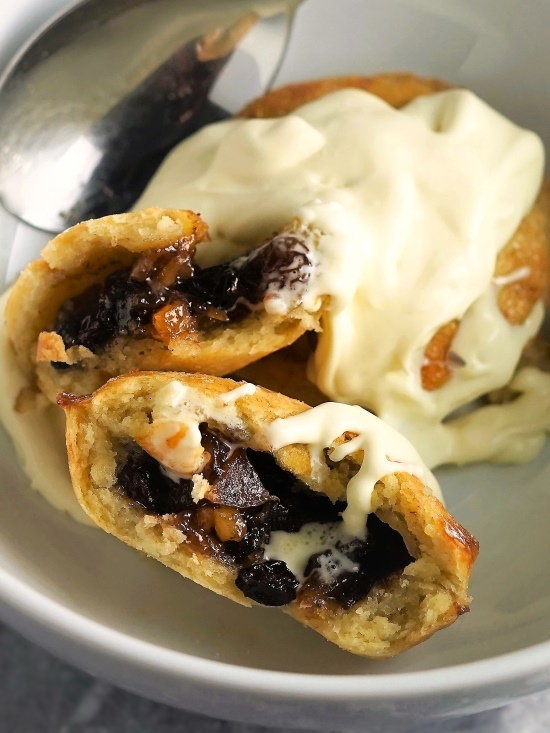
[{"x": 101, "y": 606}]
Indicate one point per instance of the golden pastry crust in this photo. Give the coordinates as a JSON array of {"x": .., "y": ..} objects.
[
  {"x": 85, "y": 254},
  {"x": 395, "y": 88},
  {"x": 398, "y": 613},
  {"x": 527, "y": 248}
]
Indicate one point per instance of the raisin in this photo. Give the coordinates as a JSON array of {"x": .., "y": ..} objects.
[
  {"x": 282, "y": 262},
  {"x": 275, "y": 479},
  {"x": 314, "y": 562},
  {"x": 216, "y": 286},
  {"x": 82, "y": 320},
  {"x": 142, "y": 480},
  {"x": 255, "y": 538},
  {"x": 270, "y": 583}
]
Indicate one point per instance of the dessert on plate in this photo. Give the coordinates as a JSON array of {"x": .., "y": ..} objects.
[{"x": 325, "y": 512}]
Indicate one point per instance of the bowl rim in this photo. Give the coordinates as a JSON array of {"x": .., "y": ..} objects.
[{"x": 73, "y": 625}]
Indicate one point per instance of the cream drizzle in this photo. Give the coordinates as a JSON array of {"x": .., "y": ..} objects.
[
  {"x": 243, "y": 390},
  {"x": 512, "y": 277},
  {"x": 384, "y": 451},
  {"x": 296, "y": 548},
  {"x": 414, "y": 206}
]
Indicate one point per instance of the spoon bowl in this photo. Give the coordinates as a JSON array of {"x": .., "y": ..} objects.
[{"x": 94, "y": 101}]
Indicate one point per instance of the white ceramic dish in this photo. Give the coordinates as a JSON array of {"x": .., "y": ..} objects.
[{"x": 96, "y": 603}]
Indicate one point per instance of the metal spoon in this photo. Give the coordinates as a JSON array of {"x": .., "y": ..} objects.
[{"x": 95, "y": 100}]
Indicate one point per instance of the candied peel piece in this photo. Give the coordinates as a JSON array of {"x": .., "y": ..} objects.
[{"x": 175, "y": 320}]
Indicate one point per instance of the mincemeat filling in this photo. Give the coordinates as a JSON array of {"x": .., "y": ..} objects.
[
  {"x": 251, "y": 497},
  {"x": 165, "y": 294}
]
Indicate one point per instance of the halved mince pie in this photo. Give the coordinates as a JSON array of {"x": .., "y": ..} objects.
[
  {"x": 182, "y": 467},
  {"x": 123, "y": 292}
]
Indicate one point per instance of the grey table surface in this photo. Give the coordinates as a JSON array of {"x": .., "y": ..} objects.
[{"x": 40, "y": 694}]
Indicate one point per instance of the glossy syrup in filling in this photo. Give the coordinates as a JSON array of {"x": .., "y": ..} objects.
[{"x": 251, "y": 497}]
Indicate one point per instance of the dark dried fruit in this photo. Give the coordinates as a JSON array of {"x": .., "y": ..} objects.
[
  {"x": 229, "y": 471},
  {"x": 201, "y": 298},
  {"x": 256, "y": 537},
  {"x": 239, "y": 485},
  {"x": 142, "y": 480},
  {"x": 282, "y": 262},
  {"x": 270, "y": 583},
  {"x": 349, "y": 588},
  {"x": 298, "y": 504},
  {"x": 218, "y": 450},
  {"x": 388, "y": 551}
]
